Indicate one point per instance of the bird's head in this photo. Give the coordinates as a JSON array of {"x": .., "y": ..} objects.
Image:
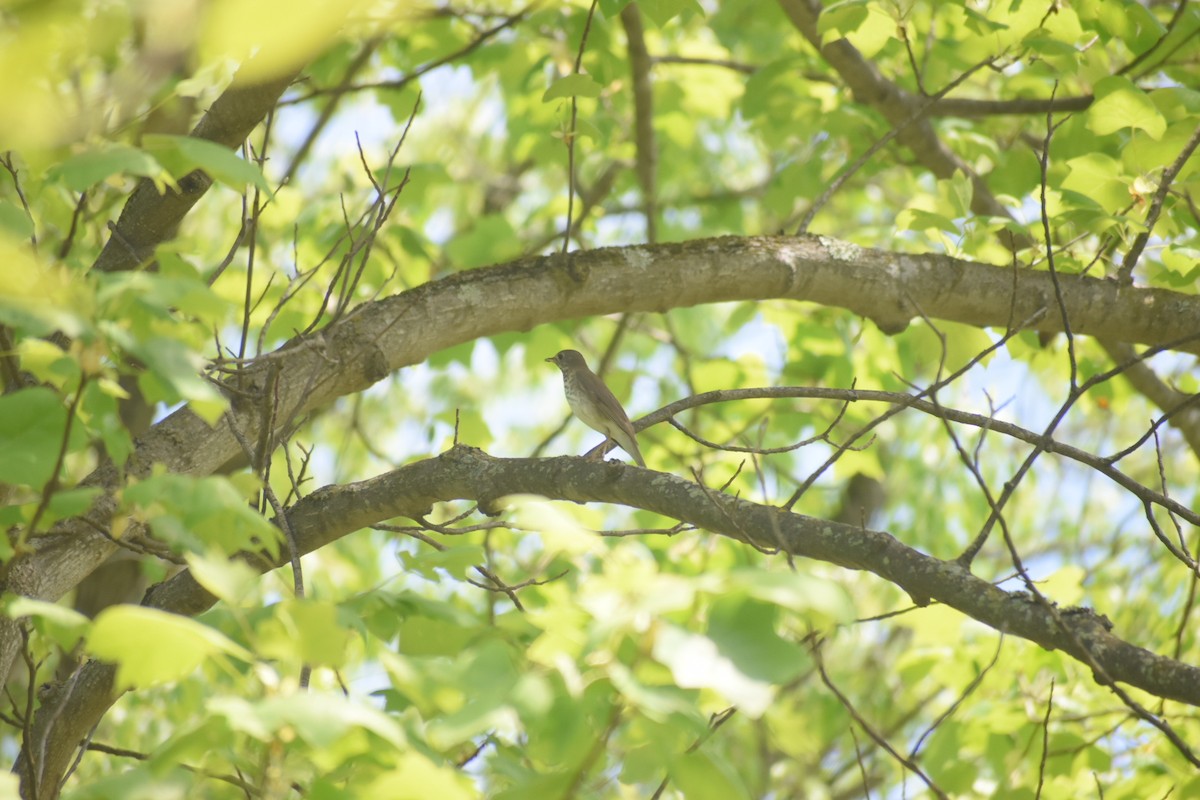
[{"x": 567, "y": 359}]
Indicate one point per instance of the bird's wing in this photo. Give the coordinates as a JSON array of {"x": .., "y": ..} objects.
[{"x": 613, "y": 406}]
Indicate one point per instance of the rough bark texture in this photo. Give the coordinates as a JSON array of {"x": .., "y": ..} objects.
[
  {"x": 380, "y": 337},
  {"x": 149, "y": 217},
  {"x": 465, "y": 473},
  {"x": 898, "y": 106}
]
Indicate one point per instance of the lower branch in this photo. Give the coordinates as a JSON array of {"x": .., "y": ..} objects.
[{"x": 69, "y": 711}]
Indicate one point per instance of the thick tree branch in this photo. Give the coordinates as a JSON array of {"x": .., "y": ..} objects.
[
  {"x": 148, "y": 219},
  {"x": 381, "y": 337},
  {"x": 151, "y": 217},
  {"x": 1184, "y": 409},
  {"x": 643, "y": 117},
  {"x": 871, "y": 88},
  {"x": 898, "y": 106},
  {"x": 1103, "y": 466},
  {"x": 974, "y": 108},
  {"x": 465, "y": 473}
]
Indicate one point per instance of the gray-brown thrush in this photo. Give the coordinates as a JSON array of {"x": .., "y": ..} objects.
[{"x": 594, "y": 404}]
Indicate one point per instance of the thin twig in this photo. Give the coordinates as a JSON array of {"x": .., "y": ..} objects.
[
  {"x": 868, "y": 729},
  {"x": 570, "y": 134}
]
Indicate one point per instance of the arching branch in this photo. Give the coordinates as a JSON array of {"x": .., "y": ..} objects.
[{"x": 468, "y": 474}]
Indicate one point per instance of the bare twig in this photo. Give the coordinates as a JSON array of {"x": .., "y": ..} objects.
[
  {"x": 867, "y": 728},
  {"x": 570, "y": 133},
  {"x": 1125, "y": 274}
]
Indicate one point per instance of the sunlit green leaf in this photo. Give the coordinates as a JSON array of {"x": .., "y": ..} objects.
[
  {"x": 88, "y": 168},
  {"x": 201, "y": 513},
  {"x": 307, "y": 631},
  {"x": 38, "y": 297},
  {"x": 705, "y": 777},
  {"x": 14, "y": 221},
  {"x": 455, "y": 560},
  {"x": 697, "y": 662},
  {"x": 33, "y": 427},
  {"x": 577, "y": 85},
  {"x": 318, "y": 718},
  {"x": 182, "y": 154},
  {"x": 416, "y": 777},
  {"x": 489, "y": 670},
  {"x": 229, "y": 580},
  {"x": 152, "y": 647},
  {"x": 1120, "y": 104},
  {"x": 663, "y": 11},
  {"x": 64, "y": 625}
]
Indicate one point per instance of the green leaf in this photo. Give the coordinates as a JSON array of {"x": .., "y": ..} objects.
[
  {"x": 229, "y": 580},
  {"x": 137, "y": 783},
  {"x": 102, "y": 416},
  {"x": 86, "y": 169},
  {"x": 577, "y": 85},
  {"x": 430, "y": 636},
  {"x": 771, "y": 91},
  {"x": 63, "y": 625},
  {"x": 1062, "y": 56},
  {"x": 661, "y": 12},
  {"x": 306, "y": 631},
  {"x": 491, "y": 239},
  {"x": 585, "y": 129},
  {"x": 152, "y": 647},
  {"x": 162, "y": 294},
  {"x": 696, "y": 662},
  {"x": 560, "y": 531},
  {"x": 796, "y": 591},
  {"x": 15, "y": 220},
  {"x": 913, "y": 219},
  {"x": 47, "y": 362},
  {"x": 1120, "y": 104},
  {"x": 958, "y": 191},
  {"x": 841, "y": 19},
  {"x": 69, "y": 503},
  {"x": 545, "y": 785},
  {"x": 196, "y": 743},
  {"x": 799, "y": 179},
  {"x": 177, "y": 368},
  {"x": 1181, "y": 259},
  {"x": 455, "y": 560},
  {"x": 1097, "y": 176},
  {"x": 656, "y": 702},
  {"x": 652, "y": 744},
  {"x": 611, "y": 8},
  {"x": 201, "y": 514},
  {"x": 388, "y": 615},
  {"x": 416, "y": 777},
  {"x": 1065, "y": 585},
  {"x": 182, "y": 154},
  {"x": 489, "y": 671},
  {"x": 458, "y": 354},
  {"x": 947, "y": 767},
  {"x": 40, "y": 298},
  {"x": 473, "y": 429},
  {"x": 873, "y": 33},
  {"x": 744, "y": 631},
  {"x": 319, "y": 718},
  {"x": 32, "y": 426},
  {"x": 703, "y": 776}
]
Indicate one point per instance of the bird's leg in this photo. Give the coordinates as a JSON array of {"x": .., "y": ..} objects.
[{"x": 598, "y": 452}]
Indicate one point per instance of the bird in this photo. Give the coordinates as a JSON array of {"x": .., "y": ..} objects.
[{"x": 594, "y": 404}]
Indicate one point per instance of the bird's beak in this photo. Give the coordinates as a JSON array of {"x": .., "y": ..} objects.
[{"x": 550, "y": 359}]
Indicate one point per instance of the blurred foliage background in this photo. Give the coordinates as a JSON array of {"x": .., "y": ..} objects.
[{"x": 663, "y": 663}]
